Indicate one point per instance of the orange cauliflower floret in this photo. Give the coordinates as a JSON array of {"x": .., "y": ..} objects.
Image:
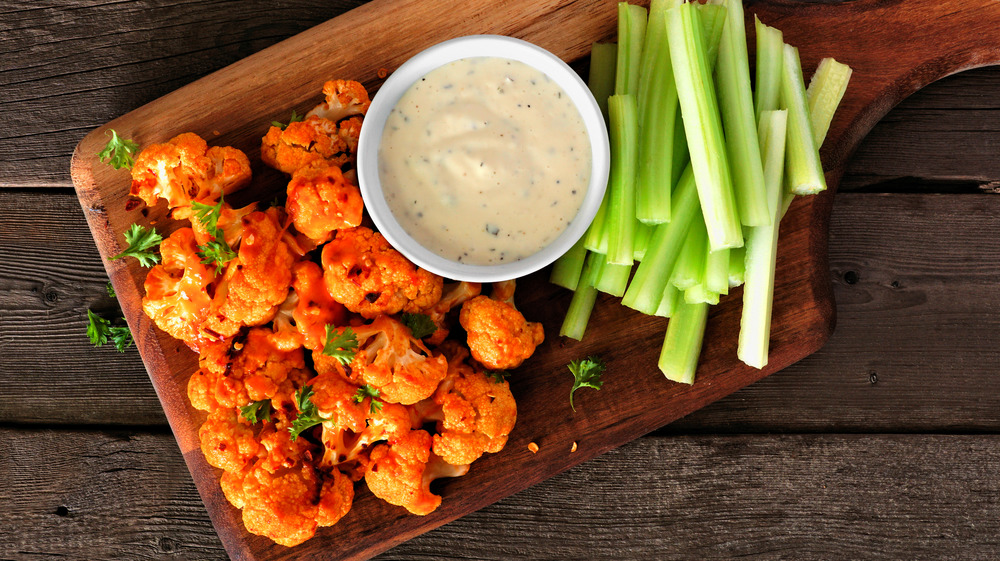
[
  {"x": 476, "y": 412},
  {"x": 363, "y": 272},
  {"x": 346, "y": 448},
  {"x": 401, "y": 473},
  {"x": 177, "y": 290},
  {"x": 253, "y": 369},
  {"x": 498, "y": 335},
  {"x": 226, "y": 443},
  {"x": 229, "y": 222},
  {"x": 344, "y": 98},
  {"x": 314, "y": 140},
  {"x": 320, "y": 201},
  {"x": 452, "y": 295},
  {"x": 185, "y": 168},
  {"x": 302, "y": 318},
  {"x": 391, "y": 360},
  {"x": 256, "y": 283}
]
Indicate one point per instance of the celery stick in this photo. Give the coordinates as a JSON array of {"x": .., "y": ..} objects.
[
  {"x": 762, "y": 248},
  {"x": 680, "y": 153},
  {"x": 624, "y": 153},
  {"x": 668, "y": 302},
  {"x": 578, "y": 315},
  {"x": 596, "y": 238},
  {"x": 682, "y": 342},
  {"x": 702, "y": 126},
  {"x": 700, "y": 293},
  {"x": 643, "y": 232},
  {"x": 653, "y": 273},
  {"x": 567, "y": 269},
  {"x": 657, "y": 113},
  {"x": 717, "y": 271},
  {"x": 713, "y": 22},
  {"x": 612, "y": 279},
  {"x": 601, "y": 79},
  {"x": 690, "y": 267},
  {"x": 825, "y": 91},
  {"x": 737, "y": 266},
  {"x": 803, "y": 170},
  {"x": 770, "y": 52},
  {"x": 631, "y": 35},
  {"x": 732, "y": 79}
]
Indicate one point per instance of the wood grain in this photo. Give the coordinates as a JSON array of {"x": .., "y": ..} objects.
[
  {"x": 803, "y": 306},
  {"x": 110, "y": 495}
]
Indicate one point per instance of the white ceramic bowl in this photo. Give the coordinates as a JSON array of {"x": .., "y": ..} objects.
[{"x": 418, "y": 66}]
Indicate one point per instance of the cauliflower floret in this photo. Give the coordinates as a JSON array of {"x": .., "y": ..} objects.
[
  {"x": 185, "y": 168},
  {"x": 177, "y": 290},
  {"x": 256, "y": 283},
  {"x": 320, "y": 201},
  {"x": 475, "y": 413},
  {"x": 498, "y": 335},
  {"x": 227, "y": 444},
  {"x": 314, "y": 140},
  {"x": 344, "y": 98},
  {"x": 302, "y": 318},
  {"x": 346, "y": 449},
  {"x": 252, "y": 369},
  {"x": 453, "y": 295},
  {"x": 391, "y": 360},
  {"x": 230, "y": 221},
  {"x": 363, "y": 272},
  {"x": 401, "y": 473}
]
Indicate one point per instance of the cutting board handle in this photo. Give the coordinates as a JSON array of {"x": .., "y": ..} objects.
[{"x": 895, "y": 47}]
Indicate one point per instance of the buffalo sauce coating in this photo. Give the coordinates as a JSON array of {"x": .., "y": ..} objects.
[{"x": 484, "y": 161}]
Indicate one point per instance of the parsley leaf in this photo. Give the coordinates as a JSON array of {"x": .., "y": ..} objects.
[
  {"x": 99, "y": 331},
  {"x": 111, "y": 290},
  {"x": 142, "y": 242},
  {"x": 498, "y": 375},
  {"x": 372, "y": 392},
  {"x": 586, "y": 374},
  {"x": 421, "y": 325},
  {"x": 295, "y": 118},
  {"x": 118, "y": 152},
  {"x": 216, "y": 251},
  {"x": 121, "y": 337},
  {"x": 253, "y": 411},
  {"x": 208, "y": 215},
  {"x": 340, "y": 345},
  {"x": 308, "y": 414}
]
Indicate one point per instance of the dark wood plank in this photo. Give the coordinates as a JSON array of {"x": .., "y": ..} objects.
[
  {"x": 71, "y": 65},
  {"x": 114, "y": 495}
]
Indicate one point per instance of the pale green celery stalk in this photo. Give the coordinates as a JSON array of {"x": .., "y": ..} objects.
[
  {"x": 770, "y": 53},
  {"x": 737, "y": 266},
  {"x": 653, "y": 273},
  {"x": 642, "y": 234},
  {"x": 803, "y": 170},
  {"x": 631, "y": 36},
  {"x": 596, "y": 238},
  {"x": 668, "y": 302},
  {"x": 732, "y": 79},
  {"x": 702, "y": 126},
  {"x": 567, "y": 269},
  {"x": 621, "y": 209},
  {"x": 680, "y": 154},
  {"x": 601, "y": 79},
  {"x": 657, "y": 112},
  {"x": 713, "y": 22},
  {"x": 690, "y": 267},
  {"x": 578, "y": 315},
  {"x": 612, "y": 278},
  {"x": 826, "y": 89},
  {"x": 682, "y": 342},
  {"x": 762, "y": 248},
  {"x": 717, "y": 271},
  {"x": 701, "y": 293}
]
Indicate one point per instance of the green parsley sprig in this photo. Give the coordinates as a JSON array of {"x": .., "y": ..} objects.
[
  {"x": 372, "y": 392},
  {"x": 586, "y": 374},
  {"x": 421, "y": 325},
  {"x": 216, "y": 251},
  {"x": 142, "y": 244},
  {"x": 308, "y": 413},
  {"x": 119, "y": 152},
  {"x": 257, "y": 411},
  {"x": 498, "y": 375},
  {"x": 100, "y": 331},
  {"x": 341, "y": 345},
  {"x": 295, "y": 118}
]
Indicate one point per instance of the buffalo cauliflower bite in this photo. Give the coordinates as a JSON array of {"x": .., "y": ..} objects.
[
  {"x": 452, "y": 295},
  {"x": 475, "y": 413},
  {"x": 365, "y": 274},
  {"x": 498, "y": 335},
  {"x": 314, "y": 140},
  {"x": 401, "y": 473},
  {"x": 252, "y": 369},
  {"x": 302, "y": 318},
  {"x": 391, "y": 360},
  {"x": 185, "y": 169},
  {"x": 227, "y": 444},
  {"x": 344, "y": 98},
  {"x": 320, "y": 201},
  {"x": 177, "y": 290},
  {"x": 230, "y": 221},
  {"x": 345, "y": 449}
]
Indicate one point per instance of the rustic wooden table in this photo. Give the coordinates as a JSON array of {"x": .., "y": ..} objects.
[{"x": 884, "y": 444}]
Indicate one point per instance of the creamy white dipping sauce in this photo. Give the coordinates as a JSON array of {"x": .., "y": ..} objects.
[{"x": 484, "y": 161}]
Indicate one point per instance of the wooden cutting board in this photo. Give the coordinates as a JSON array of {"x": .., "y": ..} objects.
[{"x": 894, "y": 48}]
